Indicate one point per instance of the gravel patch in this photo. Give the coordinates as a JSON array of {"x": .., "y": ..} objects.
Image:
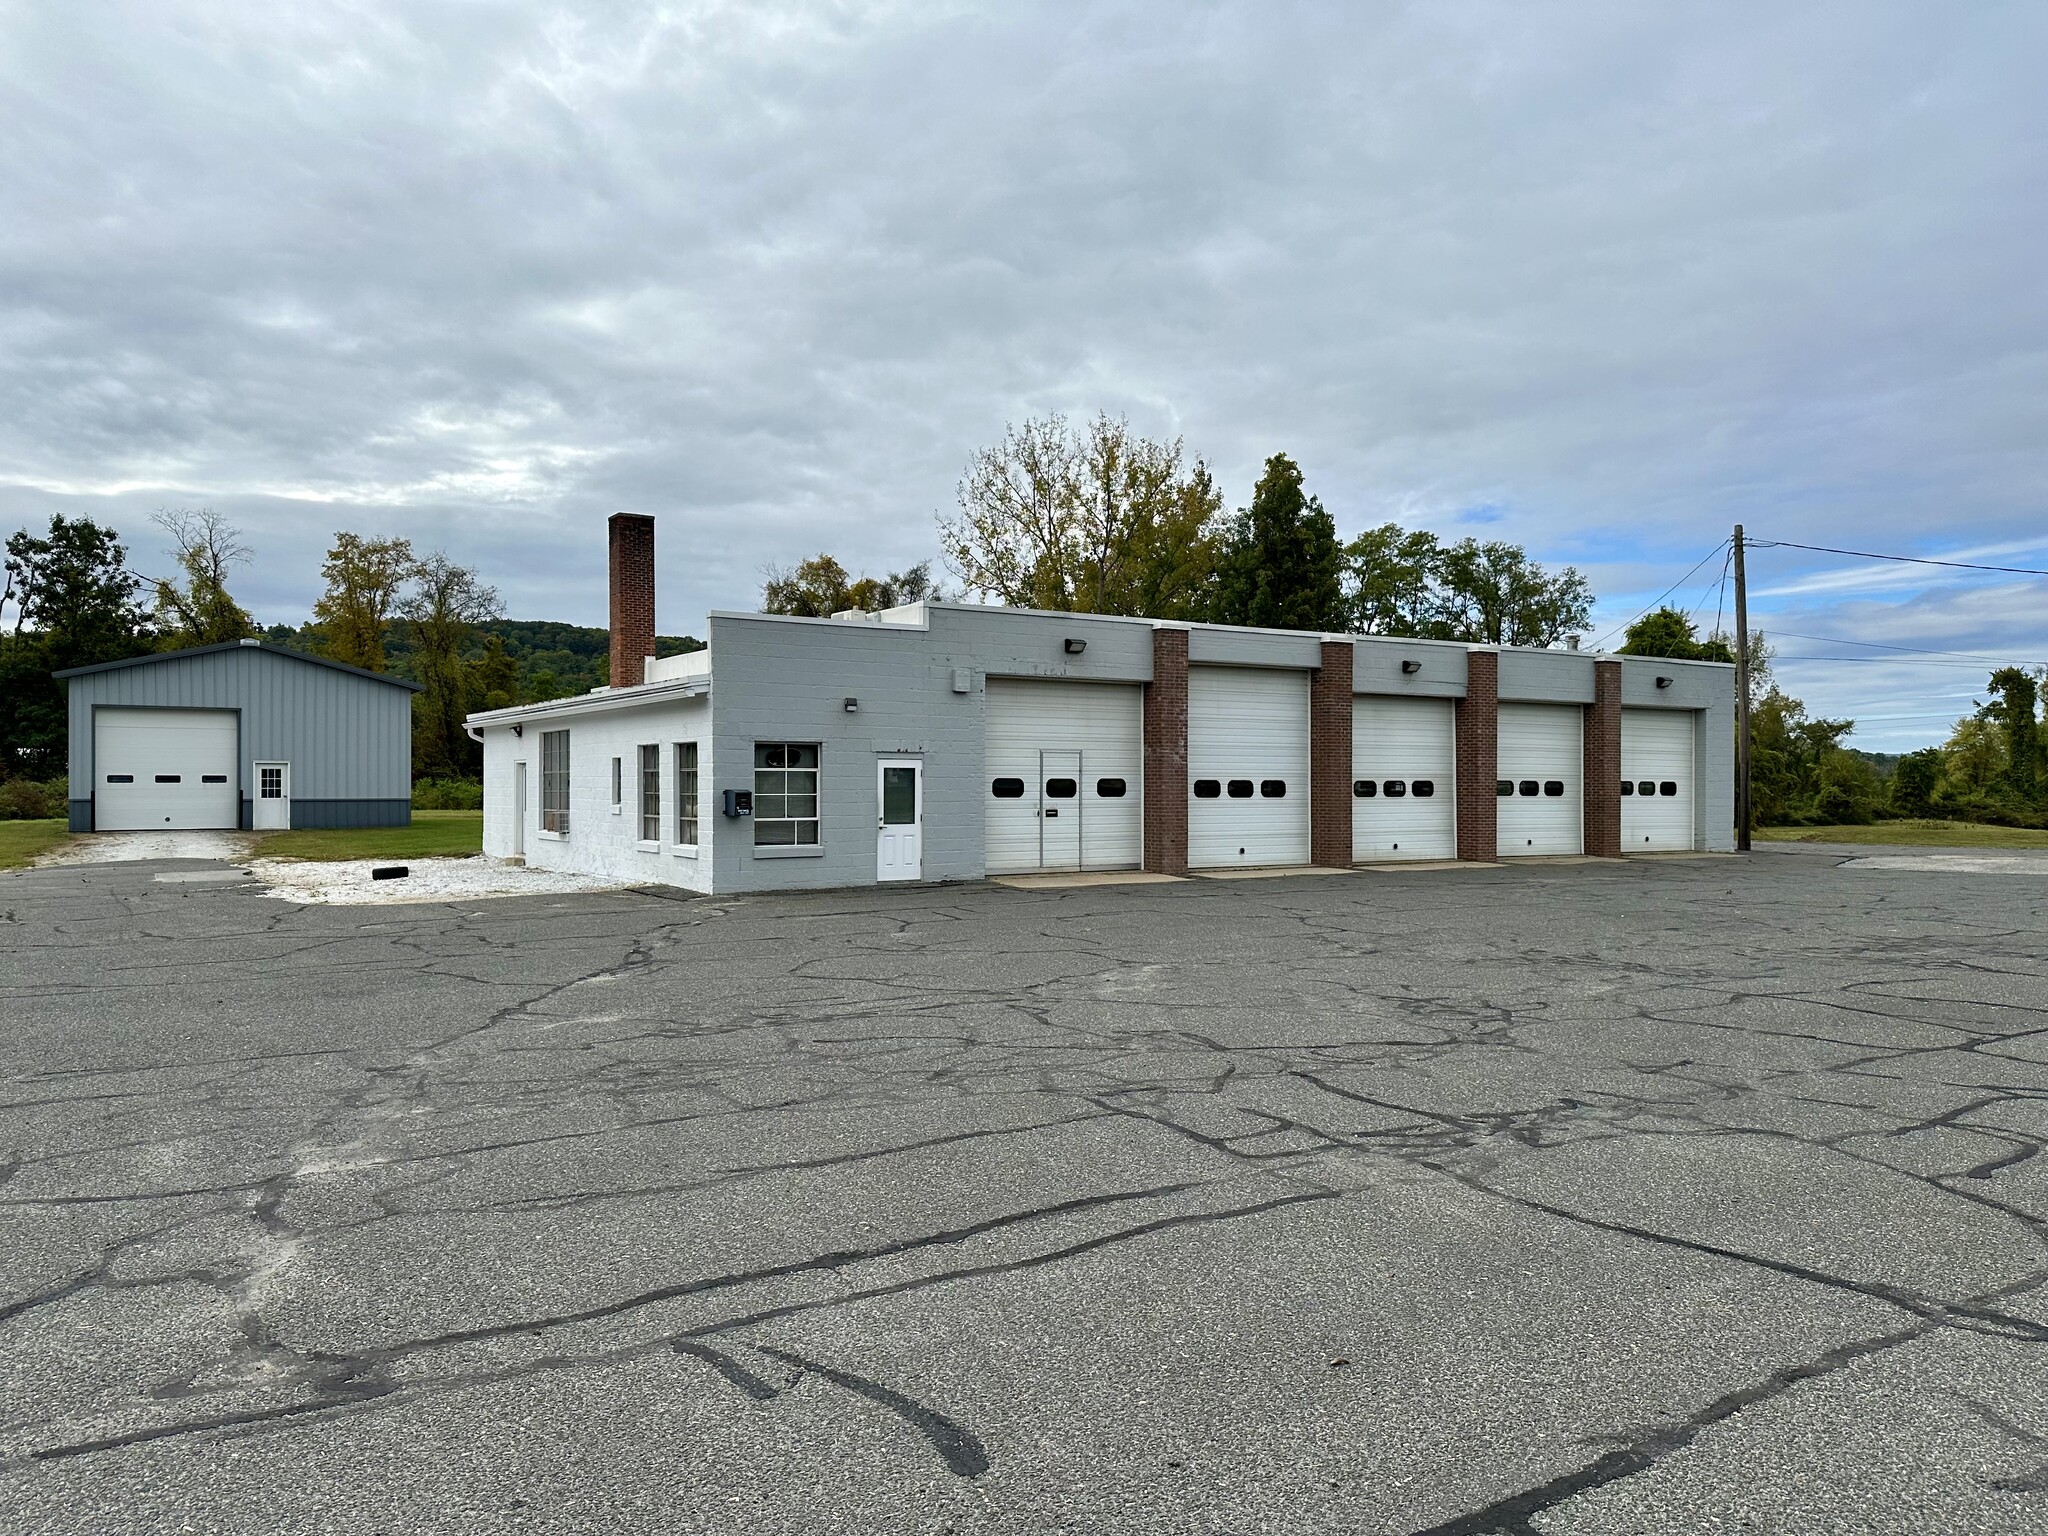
[
  {"x": 348, "y": 883},
  {"x": 128, "y": 847}
]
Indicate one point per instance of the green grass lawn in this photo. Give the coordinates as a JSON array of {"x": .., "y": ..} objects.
[
  {"x": 432, "y": 835},
  {"x": 1924, "y": 834},
  {"x": 21, "y": 841}
]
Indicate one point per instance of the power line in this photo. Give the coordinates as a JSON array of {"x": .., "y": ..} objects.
[
  {"x": 1601, "y": 642},
  {"x": 1887, "y": 661},
  {"x": 1864, "y": 554},
  {"x": 1916, "y": 650}
]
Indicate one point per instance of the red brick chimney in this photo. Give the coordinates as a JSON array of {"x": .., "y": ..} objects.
[{"x": 632, "y": 549}]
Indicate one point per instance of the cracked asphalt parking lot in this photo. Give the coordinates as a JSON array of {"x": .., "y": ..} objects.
[{"x": 1686, "y": 1196}]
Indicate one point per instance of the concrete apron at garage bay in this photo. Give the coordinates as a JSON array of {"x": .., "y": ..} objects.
[{"x": 1066, "y": 742}]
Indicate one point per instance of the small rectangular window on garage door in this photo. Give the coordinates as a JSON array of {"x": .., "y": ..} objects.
[
  {"x": 1007, "y": 789},
  {"x": 1110, "y": 789},
  {"x": 1207, "y": 789},
  {"x": 1365, "y": 789}
]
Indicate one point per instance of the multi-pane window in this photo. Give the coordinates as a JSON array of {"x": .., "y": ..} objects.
[
  {"x": 785, "y": 794},
  {"x": 650, "y": 793},
  {"x": 686, "y": 793},
  {"x": 554, "y": 781}
]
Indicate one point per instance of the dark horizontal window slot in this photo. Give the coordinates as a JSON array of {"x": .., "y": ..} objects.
[
  {"x": 120, "y": 778},
  {"x": 1111, "y": 789},
  {"x": 1394, "y": 789},
  {"x": 1527, "y": 787},
  {"x": 1645, "y": 787},
  {"x": 213, "y": 778},
  {"x": 1207, "y": 789},
  {"x": 1365, "y": 789},
  {"x": 1007, "y": 789},
  {"x": 1627, "y": 787},
  {"x": 1503, "y": 786},
  {"x": 170, "y": 778},
  {"x": 1240, "y": 789},
  {"x": 1423, "y": 787},
  {"x": 1667, "y": 788},
  {"x": 1273, "y": 789},
  {"x": 1061, "y": 789},
  {"x": 1553, "y": 787}
]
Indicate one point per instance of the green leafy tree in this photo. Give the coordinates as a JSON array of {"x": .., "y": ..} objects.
[
  {"x": 1392, "y": 574},
  {"x": 2015, "y": 695},
  {"x": 497, "y": 676},
  {"x": 1494, "y": 594},
  {"x": 1282, "y": 567},
  {"x": 1667, "y": 632},
  {"x": 441, "y": 610},
  {"x": 364, "y": 578},
  {"x": 75, "y": 604},
  {"x": 1973, "y": 759},
  {"x": 1792, "y": 759},
  {"x": 816, "y": 589},
  {"x": 198, "y": 610},
  {"x": 1915, "y": 782},
  {"x": 1094, "y": 520}
]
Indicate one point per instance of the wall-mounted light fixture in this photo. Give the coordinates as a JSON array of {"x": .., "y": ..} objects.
[
  {"x": 518, "y": 727},
  {"x": 852, "y": 705},
  {"x": 1075, "y": 647},
  {"x": 1411, "y": 667},
  {"x": 1663, "y": 682}
]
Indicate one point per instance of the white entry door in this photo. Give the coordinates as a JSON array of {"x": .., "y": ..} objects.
[
  {"x": 164, "y": 769},
  {"x": 273, "y": 809},
  {"x": 1059, "y": 810},
  {"x": 899, "y": 819}
]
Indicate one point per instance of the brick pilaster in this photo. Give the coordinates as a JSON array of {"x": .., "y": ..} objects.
[
  {"x": 1166, "y": 755},
  {"x": 1602, "y": 784},
  {"x": 1329, "y": 757},
  {"x": 632, "y": 572},
  {"x": 1479, "y": 758}
]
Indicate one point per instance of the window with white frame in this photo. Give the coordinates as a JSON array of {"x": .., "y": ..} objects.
[
  {"x": 618, "y": 783},
  {"x": 785, "y": 794},
  {"x": 554, "y": 781},
  {"x": 650, "y": 793},
  {"x": 686, "y": 793}
]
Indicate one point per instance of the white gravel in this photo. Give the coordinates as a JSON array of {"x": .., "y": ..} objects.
[
  {"x": 126, "y": 847},
  {"x": 2021, "y": 863},
  {"x": 348, "y": 883}
]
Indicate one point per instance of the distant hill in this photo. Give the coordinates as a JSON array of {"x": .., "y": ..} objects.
[{"x": 554, "y": 660}]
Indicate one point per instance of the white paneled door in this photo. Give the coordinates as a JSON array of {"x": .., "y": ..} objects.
[
  {"x": 1656, "y": 780},
  {"x": 1065, "y": 775},
  {"x": 1541, "y": 796},
  {"x": 272, "y": 811},
  {"x": 899, "y": 819},
  {"x": 164, "y": 769},
  {"x": 1248, "y": 799},
  {"x": 1404, "y": 758}
]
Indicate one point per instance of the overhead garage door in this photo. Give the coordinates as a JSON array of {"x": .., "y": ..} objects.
[
  {"x": 1247, "y": 767},
  {"x": 164, "y": 768},
  {"x": 1065, "y": 776},
  {"x": 1542, "y": 765},
  {"x": 1656, "y": 780},
  {"x": 1403, "y": 767}
]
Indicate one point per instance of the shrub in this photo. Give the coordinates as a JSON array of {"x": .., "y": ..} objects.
[
  {"x": 26, "y": 800},
  {"x": 447, "y": 795}
]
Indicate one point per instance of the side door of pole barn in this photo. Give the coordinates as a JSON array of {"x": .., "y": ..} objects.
[{"x": 1065, "y": 770}]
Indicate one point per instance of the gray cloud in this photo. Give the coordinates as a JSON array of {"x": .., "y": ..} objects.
[{"x": 1599, "y": 278}]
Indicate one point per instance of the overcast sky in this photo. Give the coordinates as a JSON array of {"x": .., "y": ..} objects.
[{"x": 1602, "y": 279}]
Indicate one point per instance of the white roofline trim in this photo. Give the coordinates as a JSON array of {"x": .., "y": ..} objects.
[{"x": 592, "y": 703}]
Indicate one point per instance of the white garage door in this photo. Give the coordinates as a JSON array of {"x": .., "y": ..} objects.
[
  {"x": 1404, "y": 757},
  {"x": 164, "y": 768},
  {"x": 1065, "y": 776},
  {"x": 1247, "y": 767},
  {"x": 1656, "y": 780},
  {"x": 1542, "y": 765}
]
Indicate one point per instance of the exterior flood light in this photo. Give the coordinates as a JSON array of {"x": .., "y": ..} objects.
[
  {"x": 1411, "y": 667},
  {"x": 1075, "y": 647},
  {"x": 1663, "y": 682},
  {"x": 518, "y": 727},
  {"x": 852, "y": 705}
]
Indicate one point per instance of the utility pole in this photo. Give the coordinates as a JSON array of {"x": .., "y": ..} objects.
[{"x": 1741, "y": 699}]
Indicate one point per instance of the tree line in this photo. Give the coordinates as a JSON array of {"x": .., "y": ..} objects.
[
  {"x": 383, "y": 607},
  {"x": 1097, "y": 518}
]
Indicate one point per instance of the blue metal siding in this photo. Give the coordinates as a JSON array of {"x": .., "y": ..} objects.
[{"x": 348, "y": 738}]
